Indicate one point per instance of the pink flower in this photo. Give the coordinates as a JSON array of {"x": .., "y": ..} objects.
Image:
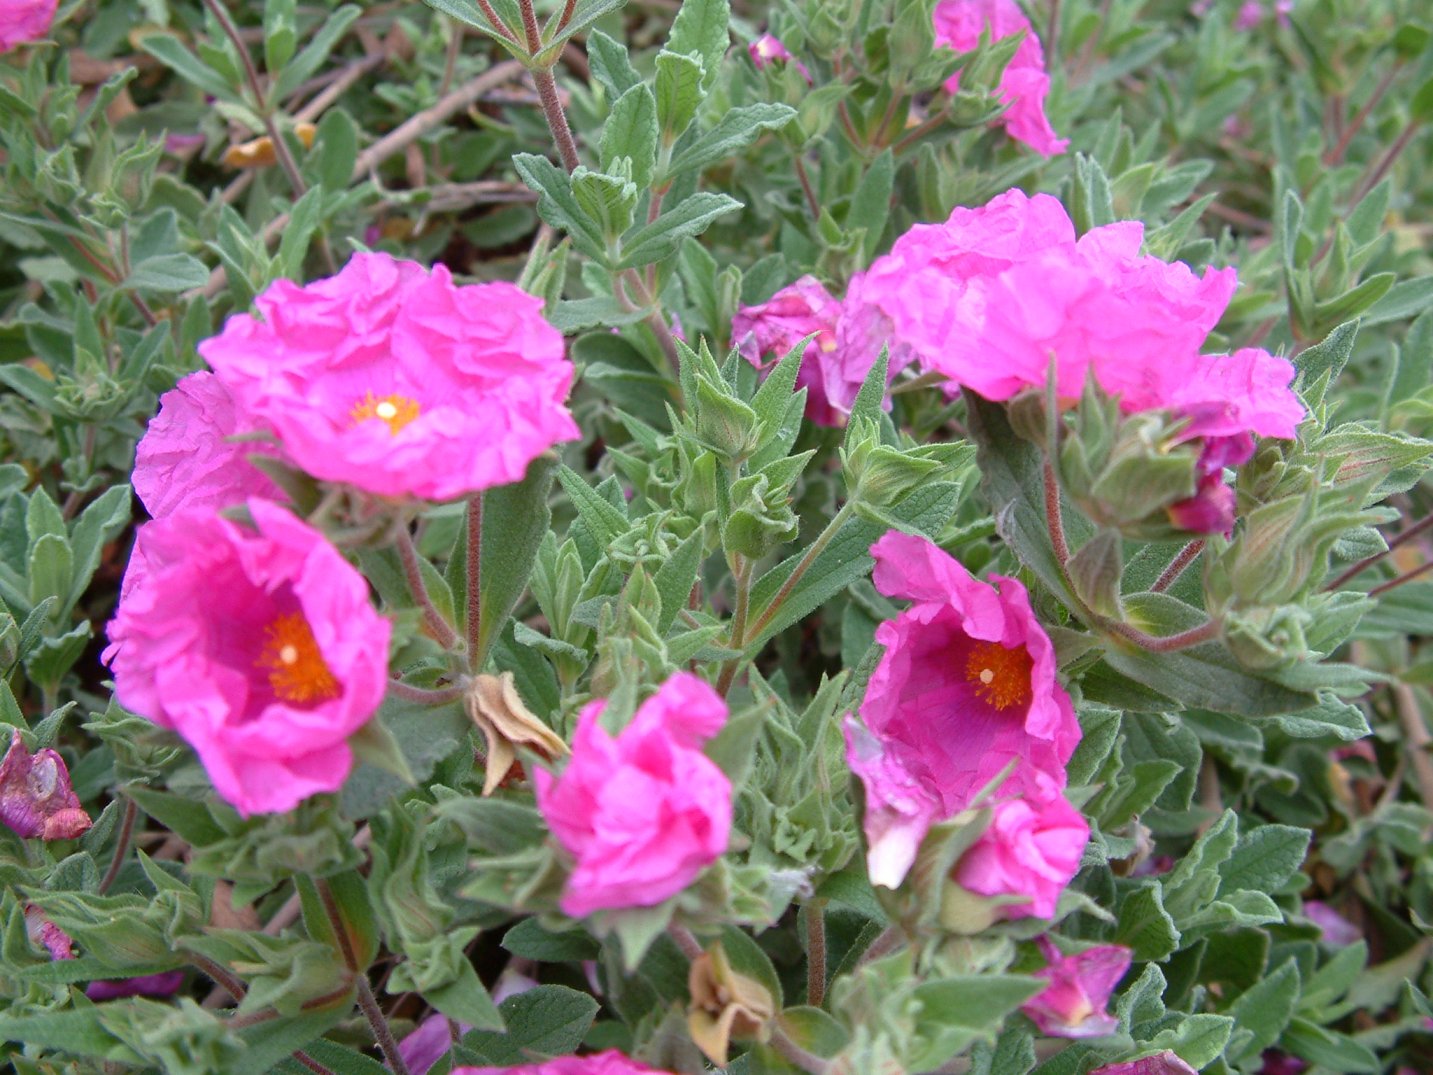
[
  {"x": 1024, "y": 83},
  {"x": 767, "y": 50},
  {"x": 36, "y": 798},
  {"x": 1165, "y": 1063},
  {"x": 645, "y": 812},
  {"x": 47, "y": 935},
  {"x": 966, "y": 688},
  {"x": 910, "y": 298},
  {"x": 1277, "y": 1063},
  {"x": 259, "y": 647},
  {"x": 25, "y": 20},
  {"x": 1073, "y": 1004},
  {"x": 189, "y": 457},
  {"x": 165, "y": 984},
  {"x": 398, "y": 382},
  {"x": 610, "y": 1062},
  {"x": 1335, "y": 928},
  {"x": 1030, "y": 852},
  {"x": 765, "y": 332}
]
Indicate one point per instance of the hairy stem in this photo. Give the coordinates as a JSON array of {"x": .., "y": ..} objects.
[
  {"x": 410, "y": 693},
  {"x": 439, "y": 627},
  {"x": 1363, "y": 565},
  {"x": 817, "y": 547},
  {"x": 802, "y": 1058},
  {"x": 1170, "y": 575},
  {"x": 121, "y": 847},
  {"x": 475, "y": 580},
  {"x": 742, "y": 574},
  {"x": 556, "y": 117},
  {"x": 816, "y": 953},
  {"x": 366, "y": 1000}
]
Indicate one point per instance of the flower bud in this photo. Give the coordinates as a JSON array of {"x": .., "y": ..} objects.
[{"x": 36, "y": 798}]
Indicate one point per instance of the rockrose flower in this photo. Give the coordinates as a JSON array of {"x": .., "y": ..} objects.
[
  {"x": 1027, "y": 856},
  {"x": 394, "y": 380},
  {"x": 610, "y": 1062},
  {"x": 765, "y": 332},
  {"x": 1163, "y": 1063},
  {"x": 25, "y": 20},
  {"x": 1024, "y": 83},
  {"x": 645, "y": 812},
  {"x": 964, "y": 691},
  {"x": 767, "y": 50},
  {"x": 194, "y": 456},
  {"x": 1073, "y": 1004},
  {"x": 259, "y": 647},
  {"x": 36, "y": 797}
]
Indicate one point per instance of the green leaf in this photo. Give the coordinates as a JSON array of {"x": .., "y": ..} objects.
[
  {"x": 610, "y": 64},
  {"x": 515, "y": 518},
  {"x": 168, "y": 50},
  {"x": 953, "y": 1012},
  {"x": 701, "y": 28},
  {"x": 280, "y": 33},
  {"x": 736, "y": 130},
  {"x": 97, "y": 526},
  {"x": 661, "y": 238},
  {"x": 1330, "y": 717},
  {"x": 678, "y": 93},
  {"x": 1091, "y": 201},
  {"x": 468, "y": 13},
  {"x": 424, "y": 733},
  {"x": 1327, "y": 1048},
  {"x": 550, "y": 1020},
  {"x": 274, "y": 1039},
  {"x": 168, "y": 272},
  {"x": 331, "y": 29},
  {"x": 337, "y": 1058},
  {"x": 1264, "y": 1010},
  {"x": 1355, "y": 300},
  {"x": 557, "y": 206},
  {"x": 871, "y": 203},
  {"x": 1145, "y": 926},
  {"x": 605, "y": 521},
  {"x": 466, "y": 1000},
  {"x": 530, "y": 940},
  {"x": 1264, "y": 859},
  {"x": 676, "y": 577},
  {"x": 80, "y": 1032},
  {"x": 1197, "y": 1040},
  {"x": 631, "y": 131}
]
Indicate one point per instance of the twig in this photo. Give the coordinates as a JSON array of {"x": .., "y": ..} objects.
[
  {"x": 121, "y": 847},
  {"x": 817, "y": 547},
  {"x": 690, "y": 946},
  {"x": 1170, "y": 575},
  {"x": 816, "y": 953},
  {"x": 366, "y": 1000},
  {"x": 410, "y": 693},
  {"x": 1054, "y": 519},
  {"x": 1335, "y": 155},
  {"x": 742, "y": 576},
  {"x": 1393, "y": 543},
  {"x": 1407, "y": 576},
  {"x": 806, "y": 188}
]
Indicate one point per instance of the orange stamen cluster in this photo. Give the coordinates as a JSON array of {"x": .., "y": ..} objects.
[
  {"x": 297, "y": 670},
  {"x": 393, "y": 409},
  {"x": 1001, "y": 676}
]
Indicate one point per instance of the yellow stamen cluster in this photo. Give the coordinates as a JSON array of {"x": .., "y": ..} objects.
[
  {"x": 1001, "y": 676},
  {"x": 394, "y": 409},
  {"x": 297, "y": 670}
]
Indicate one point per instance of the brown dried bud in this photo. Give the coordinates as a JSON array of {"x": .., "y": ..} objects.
[
  {"x": 260, "y": 153},
  {"x": 725, "y": 1005},
  {"x": 36, "y": 798},
  {"x": 495, "y": 707}
]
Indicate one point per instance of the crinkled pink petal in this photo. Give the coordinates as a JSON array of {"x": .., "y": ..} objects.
[
  {"x": 1024, "y": 83},
  {"x": 610, "y": 1062},
  {"x": 644, "y": 812},
  {"x": 188, "y": 650},
  {"x": 25, "y": 20},
  {"x": 935, "y": 740},
  {"x": 396, "y": 381},
  {"x": 1074, "y": 1004},
  {"x": 767, "y": 50},
  {"x": 767, "y": 331},
  {"x": 189, "y": 457},
  {"x": 1031, "y": 851}
]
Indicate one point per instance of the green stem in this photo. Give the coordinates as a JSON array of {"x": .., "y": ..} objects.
[
  {"x": 441, "y": 629},
  {"x": 817, "y": 547},
  {"x": 816, "y": 953},
  {"x": 121, "y": 847},
  {"x": 743, "y": 572},
  {"x": 475, "y": 580}
]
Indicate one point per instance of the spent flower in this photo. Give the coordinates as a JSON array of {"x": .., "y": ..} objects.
[{"x": 36, "y": 796}]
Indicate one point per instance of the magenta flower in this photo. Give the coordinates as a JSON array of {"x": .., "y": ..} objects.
[
  {"x": 966, "y": 688},
  {"x": 767, "y": 50},
  {"x": 645, "y": 812},
  {"x": 396, "y": 381},
  {"x": 765, "y": 332},
  {"x": 1028, "y": 855},
  {"x": 259, "y": 647},
  {"x": 1165, "y": 1063},
  {"x": 165, "y": 984},
  {"x": 47, "y": 935},
  {"x": 610, "y": 1062},
  {"x": 190, "y": 457},
  {"x": 910, "y": 298},
  {"x": 36, "y": 797},
  {"x": 25, "y": 20},
  {"x": 1073, "y": 1004},
  {"x": 1024, "y": 83},
  {"x": 1334, "y": 928}
]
